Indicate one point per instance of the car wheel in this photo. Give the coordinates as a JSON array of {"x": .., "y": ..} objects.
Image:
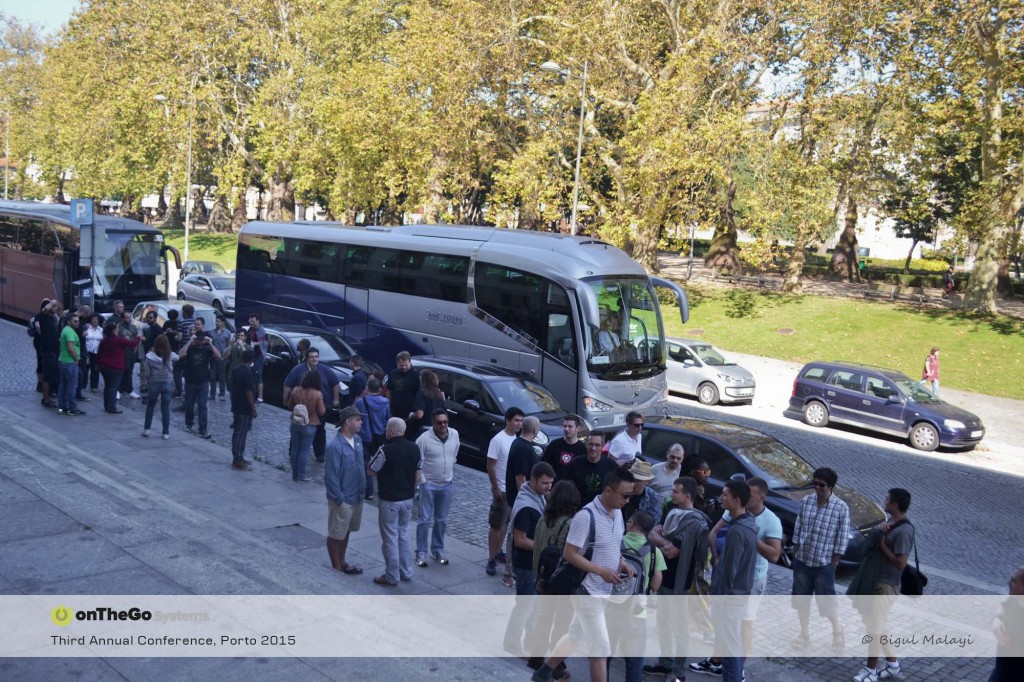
[
  {"x": 924, "y": 437},
  {"x": 707, "y": 393},
  {"x": 219, "y": 308},
  {"x": 815, "y": 413},
  {"x": 181, "y": 296}
]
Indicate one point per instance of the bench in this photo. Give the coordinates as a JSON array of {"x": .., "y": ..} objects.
[
  {"x": 910, "y": 294},
  {"x": 879, "y": 290}
]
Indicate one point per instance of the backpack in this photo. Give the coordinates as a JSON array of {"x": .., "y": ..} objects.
[
  {"x": 566, "y": 578},
  {"x": 549, "y": 555},
  {"x": 638, "y": 583},
  {"x": 31, "y": 331},
  {"x": 300, "y": 415}
]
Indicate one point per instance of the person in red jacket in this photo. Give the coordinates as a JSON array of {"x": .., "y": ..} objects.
[{"x": 110, "y": 360}]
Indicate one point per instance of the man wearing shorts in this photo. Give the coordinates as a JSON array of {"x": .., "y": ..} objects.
[
  {"x": 589, "y": 627},
  {"x": 497, "y": 462},
  {"x": 345, "y": 480},
  {"x": 257, "y": 337}
]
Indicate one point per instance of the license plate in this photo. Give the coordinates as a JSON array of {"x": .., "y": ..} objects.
[
  {"x": 976, "y": 434},
  {"x": 619, "y": 420},
  {"x": 744, "y": 392}
]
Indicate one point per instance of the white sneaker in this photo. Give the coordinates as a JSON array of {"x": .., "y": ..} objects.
[
  {"x": 866, "y": 675},
  {"x": 145, "y": 433},
  {"x": 118, "y": 396},
  {"x": 888, "y": 671},
  {"x": 166, "y": 436},
  {"x": 134, "y": 394}
]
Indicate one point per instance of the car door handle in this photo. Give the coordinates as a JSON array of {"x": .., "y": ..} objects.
[
  {"x": 866, "y": 402},
  {"x": 832, "y": 393}
]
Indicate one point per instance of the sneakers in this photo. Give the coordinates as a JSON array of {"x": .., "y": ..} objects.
[
  {"x": 706, "y": 667},
  {"x": 657, "y": 669},
  {"x": 83, "y": 398},
  {"x": 145, "y": 433},
  {"x": 866, "y": 675},
  {"x": 189, "y": 429},
  {"x": 509, "y": 581},
  {"x": 492, "y": 568},
  {"x": 241, "y": 465},
  {"x": 308, "y": 479},
  {"x": 118, "y": 397},
  {"x": 166, "y": 436},
  {"x": 500, "y": 557},
  {"x": 421, "y": 560},
  {"x": 61, "y": 410},
  {"x": 440, "y": 558},
  {"x": 205, "y": 435},
  {"x": 259, "y": 401},
  {"x": 134, "y": 394},
  {"x": 889, "y": 671}
]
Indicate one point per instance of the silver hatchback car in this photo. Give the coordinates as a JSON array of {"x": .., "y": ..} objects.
[{"x": 698, "y": 368}]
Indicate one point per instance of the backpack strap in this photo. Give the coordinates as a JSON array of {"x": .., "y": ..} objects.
[
  {"x": 591, "y": 537},
  {"x": 369, "y": 419},
  {"x": 553, "y": 539}
]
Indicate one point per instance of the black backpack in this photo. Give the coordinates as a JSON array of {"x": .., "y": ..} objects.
[{"x": 550, "y": 555}]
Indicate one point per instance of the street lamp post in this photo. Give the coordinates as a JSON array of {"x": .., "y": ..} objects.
[
  {"x": 188, "y": 163},
  {"x": 7, "y": 150},
  {"x": 554, "y": 67}
]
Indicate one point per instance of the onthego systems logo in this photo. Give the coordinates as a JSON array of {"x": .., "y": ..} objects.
[{"x": 63, "y": 615}]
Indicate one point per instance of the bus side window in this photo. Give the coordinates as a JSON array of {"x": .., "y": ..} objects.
[
  {"x": 50, "y": 244},
  {"x": 9, "y": 233},
  {"x": 31, "y": 236}
]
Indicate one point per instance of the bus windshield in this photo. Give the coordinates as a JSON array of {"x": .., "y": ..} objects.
[
  {"x": 128, "y": 256},
  {"x": 627, "y": 340}
]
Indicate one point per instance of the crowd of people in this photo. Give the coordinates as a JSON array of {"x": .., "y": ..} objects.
[{"x": 600, "y": 507}]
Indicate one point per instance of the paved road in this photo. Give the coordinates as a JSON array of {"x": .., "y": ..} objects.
[{"x": 967, "y": 548}]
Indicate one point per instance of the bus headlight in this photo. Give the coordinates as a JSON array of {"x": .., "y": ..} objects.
[{"x": 595, "y": 405}]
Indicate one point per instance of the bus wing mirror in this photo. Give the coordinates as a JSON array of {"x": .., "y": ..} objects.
[
  {"x": 684, "y": 303},
  {"x": 174, "y": 252}
]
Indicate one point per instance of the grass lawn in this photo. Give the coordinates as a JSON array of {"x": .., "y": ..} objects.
[
  {"x": 216, "y": 246},
  {"x": 980, "y": 354}
]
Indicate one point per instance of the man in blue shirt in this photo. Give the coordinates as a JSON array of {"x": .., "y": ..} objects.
[
  {"x": 331, "y": 390},
  {"x": 345, "y": 480}
]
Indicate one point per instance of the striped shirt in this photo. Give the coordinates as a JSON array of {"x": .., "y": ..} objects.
[
  {"x": 608, "y": 532},
  {"x": 821, "y": 531}
]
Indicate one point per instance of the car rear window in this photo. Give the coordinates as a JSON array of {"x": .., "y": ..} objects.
[{"x": 815, "y": 374}]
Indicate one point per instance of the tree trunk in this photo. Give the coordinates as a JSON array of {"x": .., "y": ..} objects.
[
  {"x": 844, "y": 258},
  {"x": 910, "y": 256},
  {"x": 199, "y": 213},
  {"x": 59, "y": 194},
  {"x": 220, "y": 216},
  {"x": 793, "y": 282},
  {"x": 240, "y": 215},
  {"x": 981, "y": 287},
  {"x": 282, "y": 197},
  {"x": 645, "y": 246},
  {"x": 161, "y": 206},
  {"x": 724, "y": 251},
  {"x": 174, "y": 216}
]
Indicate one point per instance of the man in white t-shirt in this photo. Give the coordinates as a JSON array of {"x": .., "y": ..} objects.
[
  {"x": 666, "y": 473},
  {"x": 589, "y": 627},
  {"x": 497, "y": 461},
  {"x": 625, "y": 447}
]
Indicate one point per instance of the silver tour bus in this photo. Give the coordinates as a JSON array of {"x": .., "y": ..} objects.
[{"x": 577, "y": 313}]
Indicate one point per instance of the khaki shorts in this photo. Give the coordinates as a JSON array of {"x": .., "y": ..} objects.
[
  {"x": 342, "y": 519},
  {"x": 877, "y": 613},
  {"x": 497, "y": 517}
]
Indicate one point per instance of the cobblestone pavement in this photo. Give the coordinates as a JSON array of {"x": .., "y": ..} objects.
[{"x": 973, "y": 540}]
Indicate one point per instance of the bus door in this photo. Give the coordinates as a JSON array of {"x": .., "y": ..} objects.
[
  {"x": 560, "y": 361},
  {"x": 356, "y": 321}
]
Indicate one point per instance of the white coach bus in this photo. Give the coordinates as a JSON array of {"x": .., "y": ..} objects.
[{"x": 576, "y": 312}]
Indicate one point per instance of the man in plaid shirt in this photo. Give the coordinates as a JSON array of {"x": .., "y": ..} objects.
[{"x": 821, "y": 533}]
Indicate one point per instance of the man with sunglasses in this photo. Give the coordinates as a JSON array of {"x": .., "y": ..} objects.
[
  {"x": 820, "y": 535},
  {"x": 626, "y": 446},
  {"x": 439, "y": 446}
]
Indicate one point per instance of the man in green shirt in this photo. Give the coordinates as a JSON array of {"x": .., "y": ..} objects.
[{"x": 67, "y": 359}]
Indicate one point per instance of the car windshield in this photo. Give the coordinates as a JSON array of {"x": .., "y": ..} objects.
[
  {"x": 223, "y": 282},
  {"x": 914, "y": 390},
  {"x": 209, "y": 267},
  {"x": 782, "y": 468},
  {"x": 627, "y": 341},
  {"x": 529, "y": 396},
  {"x": 129, "y": 262},
  {"x": 209, "y": 318},
  {"x": 710, "y": 355},
  {"x": 332, "y": 349}
]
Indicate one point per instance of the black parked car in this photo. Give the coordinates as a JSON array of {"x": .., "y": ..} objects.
[
  {"x": 477, "y": 395},
  {"x": 731, "y": 449},
  {"x": 282, "y": 356},
  {"x": 881, "y": 400}
]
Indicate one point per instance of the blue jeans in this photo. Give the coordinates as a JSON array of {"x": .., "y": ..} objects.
[
  {"x": 68, "y": 386},
  {"x": 516, "y": 627},
  {"x": 299, "y": 448},
  {"x": 111, "y": 379},
  {"x": 162, "y": 392},
  {"x": 434, "y": 503},
  {"x": 196, "y": 391},
  {"x": 393, "y": 519},
  {"x": 817, "y": 580},
  {"x": 242, "y": 424}
]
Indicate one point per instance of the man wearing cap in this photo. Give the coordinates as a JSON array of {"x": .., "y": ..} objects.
[
  {"x": 644, "y": 497},
  {"x": 345, "y": 480}
]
